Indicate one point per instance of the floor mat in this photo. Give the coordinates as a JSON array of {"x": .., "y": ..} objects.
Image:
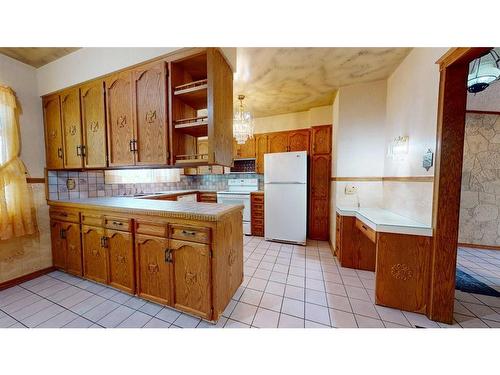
[{"x": 469, "y": 284}]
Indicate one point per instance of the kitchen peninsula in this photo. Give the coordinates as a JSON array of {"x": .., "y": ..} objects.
[{"x": 186, "y": 255}]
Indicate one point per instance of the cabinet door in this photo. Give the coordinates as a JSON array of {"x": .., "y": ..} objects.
[
  {"x": 261, "y": 148},
  {"x": 153, "y": 269},
  {"x": 322, "y": 140},
  {"x": 247, "y": 150},
  {"x": 202, "y": 146},
  {"x": 278, "y": 142},
  {"x": 150, "y": 113},
  {"x": 53, "y": 135},
  {"x": 95, "y": 260},
  {"x": 120, "y": 123},
  {"x": 298, "y": 140},
  {"x": 192, "y": 277},
  {"x": 236, "y": 149},
  {"x": 320, "y": 176},
  {"x": 318, "y": 219},
  {"x": 120, "y": 247},
  {"x": 58, "y": 245},
  {"x": 93, "y": 124},
  {"x": 71, "y": 128},
  {"x": 73, "y": 248}
]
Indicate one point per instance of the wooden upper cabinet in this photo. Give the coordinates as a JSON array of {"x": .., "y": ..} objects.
[
  {"x": 71, "y": 128},
  {"x": 95, "y": 259},
  {"x": 321, "y": 140},
  {"x": 320, "y": 176},
  {"x": 153, "y": 269},
  {"x": 150, "y": 111},
  {"x": 298, "y": 140},
  {"x": 120, "y": 121},
  {"x": 261, "y": 148},
  {"x": 192, "y": 279},
  {"x": 120, "y": 247},
  {"x": 93, "y": 124},
  {"x": 247, "y": 149},
  {"x": 278, "y": 142},
  {"x": 53, "y": 134}
]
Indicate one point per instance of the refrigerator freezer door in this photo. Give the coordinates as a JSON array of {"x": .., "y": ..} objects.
[
  {"x": 285, "y": 212},
  {"x": 285, "y": 167}
]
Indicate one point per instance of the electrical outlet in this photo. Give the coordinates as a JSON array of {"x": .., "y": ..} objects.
[{"x": 350, "y": 189}]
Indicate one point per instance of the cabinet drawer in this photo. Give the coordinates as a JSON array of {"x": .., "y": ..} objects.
[
  {"x": 118, "y": 223},
  {"x": 257, "y": 198},
  {"x": 207, "y": 197},
  {"x": 257, "y": 221},
  {"x": 64, "y": 215},
  {"x": 189, "y": 233},
  {"x": 92, "y": 219},
  {"x": 257, "y": 207},
  {"x": 366, "y": 230},
  {"x": 151, "y": 228}
]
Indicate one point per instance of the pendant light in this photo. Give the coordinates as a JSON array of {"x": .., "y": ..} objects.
[
  {"x": 483, "y": 71},
  {"x": 242, "y": 123}
]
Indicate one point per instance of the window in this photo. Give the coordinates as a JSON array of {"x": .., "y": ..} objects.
[{"x": 131, "y": 176}]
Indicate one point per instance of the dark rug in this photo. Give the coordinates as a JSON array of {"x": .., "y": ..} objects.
[{"x": 469, "y": 284}]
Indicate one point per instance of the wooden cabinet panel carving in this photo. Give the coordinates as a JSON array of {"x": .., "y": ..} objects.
[
  {"x": 53, "y": 133},
  {"x": 150, "y": 113},
  {"x": 71, "y": 129},
  {"x": 320, "y": 176},
  {"x": 153, "y": 269},
  {"x": 298, "y": 140},
  {"x": 58, "y": 251},
  {"x": 120, "y": 122},
  {"x": 261, "y": 148},
  {"x": 93, "y": 124},
  {"x": 278, "y": 142},
  {"x": 322, "y": 140},
  {"x": 191, "y": 268},
  {"x": 95, "y": 259},
  {"x": 73, "y": 248},
  {"x": 120, "y": 247}
]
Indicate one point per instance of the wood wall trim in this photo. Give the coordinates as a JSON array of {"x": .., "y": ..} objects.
[
  {"x": 22, "y": 279},
  {"x": 478, "y": 247},
  {"x": 388, "y": 178},
  {"x": 460, "y": 54},
  {"x": 35, "y": 180},
  {"x": 484, "y": 112}
]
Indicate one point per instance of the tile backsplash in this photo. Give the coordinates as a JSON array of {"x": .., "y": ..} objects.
[{"x": 90, "y": 184}]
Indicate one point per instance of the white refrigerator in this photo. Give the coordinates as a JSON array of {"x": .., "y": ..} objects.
[{"x": 285, "y": 197}]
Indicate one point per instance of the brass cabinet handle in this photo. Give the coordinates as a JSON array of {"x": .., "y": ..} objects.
[
  {"x": 168, "y": 255},
  {"x": 104, "y": 241},
  {"x": 84, "y": 150},
  {"x": 131, "y": 145},
  {"x": 59, "y": 153},
  {"x": 62, "y": 233},
  {"x": 189, "y": 232},
  {"x": 117, "y": 223}
]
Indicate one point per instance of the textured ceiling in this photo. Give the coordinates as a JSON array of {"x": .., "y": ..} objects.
[
  {"x": 36, "y": 56},
  {"x": 283, "y": 80}
]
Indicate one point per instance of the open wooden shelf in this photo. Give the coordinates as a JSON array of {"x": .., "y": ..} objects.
[
  {"x": 195, "y": 126},
  {"x": 191, "y": 159},
  {"x": 194, "y": 94}
]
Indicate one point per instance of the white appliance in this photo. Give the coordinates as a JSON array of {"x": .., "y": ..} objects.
[
  {"x": 285, "y": 197},
  {"x": 238, "y": 192}
]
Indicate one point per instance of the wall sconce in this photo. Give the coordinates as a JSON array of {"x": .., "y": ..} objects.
[{"x": 398, "y": 148}]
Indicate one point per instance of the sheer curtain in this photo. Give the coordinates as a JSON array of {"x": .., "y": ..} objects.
[{"x": 16, "y": 201}]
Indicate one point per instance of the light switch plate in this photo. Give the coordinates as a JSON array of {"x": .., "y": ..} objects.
[{"x": 350, "y": 189}]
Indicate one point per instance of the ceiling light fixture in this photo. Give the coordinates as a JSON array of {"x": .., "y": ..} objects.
[
  {"x": 243, "y": 127},
  {"x": 483, "y": 71}
]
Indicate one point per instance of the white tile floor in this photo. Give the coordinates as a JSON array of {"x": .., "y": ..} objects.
[
  {"x": 285, "y": 286},
  {"x": 484, "y": 265}
]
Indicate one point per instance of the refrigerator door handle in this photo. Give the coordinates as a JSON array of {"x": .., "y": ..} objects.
[{"x": 285, "y": 183}]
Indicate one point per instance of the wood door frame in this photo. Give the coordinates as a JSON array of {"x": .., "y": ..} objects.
[{"x": 454, "y": 67}]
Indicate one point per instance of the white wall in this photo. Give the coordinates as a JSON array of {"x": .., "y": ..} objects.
[
  {"x": 360, "y": 138},
  {"x": 22, "y": 79},
  {"x": 295, "y": 120}
]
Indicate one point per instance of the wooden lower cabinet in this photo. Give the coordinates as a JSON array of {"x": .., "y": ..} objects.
[
  {"x": 120, "y": 248},
  {"x": 153, "y": 269},
  {"x": 191, "y": 263},
  {"x": 354, "y": 249},
  {"x": 95, "y": 258},
  {"x": 66, "y": 246},
  {"x": 257, "y": 214}
]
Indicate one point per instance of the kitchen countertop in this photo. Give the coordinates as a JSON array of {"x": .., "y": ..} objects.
[
  {"x": 174, "y": 209},
  {"x": 173, "y": 192},
  {"x": 381, "y": 220}
]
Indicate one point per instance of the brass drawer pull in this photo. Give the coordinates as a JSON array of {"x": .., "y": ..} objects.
[
  {"x": 117, "y": 223},
  {"x": 168, "y": 255},
  {"x": 189, "y": 232}
]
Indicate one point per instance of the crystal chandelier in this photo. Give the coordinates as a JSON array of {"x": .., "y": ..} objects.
[{"x": 242, "y": 124}]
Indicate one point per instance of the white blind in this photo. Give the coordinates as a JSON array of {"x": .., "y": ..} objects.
[{"x": 141, "y": 176}]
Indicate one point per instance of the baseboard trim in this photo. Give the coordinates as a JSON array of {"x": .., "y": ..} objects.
[
  {"x": 22, "y": 279},
  {"x": 483, "y": 247}
]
